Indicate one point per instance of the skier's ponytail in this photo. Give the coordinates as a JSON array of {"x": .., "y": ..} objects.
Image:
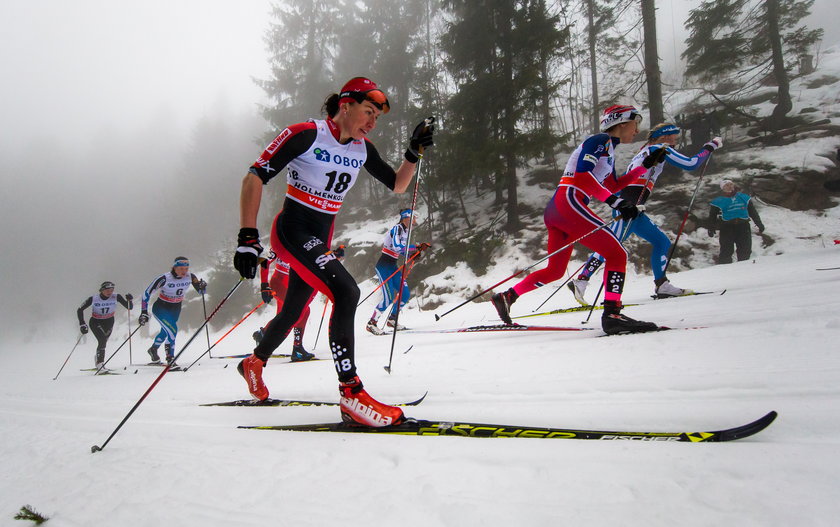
[{"x": 330, "y": 106}]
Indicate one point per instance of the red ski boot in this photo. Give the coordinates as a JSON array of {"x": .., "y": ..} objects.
[
  {"x": 250, "y": 368},
  {"x": 357, "y": 407}
]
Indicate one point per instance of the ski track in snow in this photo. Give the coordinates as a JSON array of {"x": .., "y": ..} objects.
[{"x": 768, "y": 346}]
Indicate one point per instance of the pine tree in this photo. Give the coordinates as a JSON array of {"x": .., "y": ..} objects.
[
  {"x": 747, "y": 42},
  {"x": 301, "y": 41},
  {"x": 491, "y": 47}
]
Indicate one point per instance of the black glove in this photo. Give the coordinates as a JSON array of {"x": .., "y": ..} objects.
[
  {"x": 655, "y": 157},
  {"x": 627, "y": 210},
  {"x": 201, "y": 286},
  {"x": 421, "y": 139},
  {"x": 265, "y": 291},
  {"x": 712, "y": 232},
  {"x": 129, "y": 297},
  {"x": 83, "y": 328},
  {"x": 247, "y": 253},
  {"x": 339, "y": 252},
  {"x": 144, "y": 317}
]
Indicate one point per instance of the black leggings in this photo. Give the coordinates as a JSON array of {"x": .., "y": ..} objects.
[
  {"x": 101, "y": 329},
  {"x": 301, "y": 237}
]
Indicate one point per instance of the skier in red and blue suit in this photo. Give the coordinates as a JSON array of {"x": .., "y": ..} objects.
[
  {"x": 590, "y": 172},
  {"x": 662, "y": 136}
]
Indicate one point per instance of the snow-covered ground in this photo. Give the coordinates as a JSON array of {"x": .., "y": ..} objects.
[{"x": 768, "y": 345}]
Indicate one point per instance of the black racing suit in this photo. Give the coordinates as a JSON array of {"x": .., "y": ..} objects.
[
  {"x": 100, "y": 327},
  {"x": 301, "y": 236}
]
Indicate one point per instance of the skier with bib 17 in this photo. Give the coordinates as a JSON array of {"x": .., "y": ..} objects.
[
  {"x": 103, "y": 306},
  {"x": 663, "y": 136},
  {"x": 323, "y": 158},
  {"x": 590, "y": 172}
]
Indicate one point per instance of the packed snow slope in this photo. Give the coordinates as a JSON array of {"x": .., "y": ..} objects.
[{"x": 768, "y": 343}]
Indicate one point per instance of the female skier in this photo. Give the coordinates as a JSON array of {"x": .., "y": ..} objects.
[
  {"x": 103, "y": 306},
  {"x": 663, "y": 136},
  {"x": 172, "y": 288},
  {"x": 590, "y": 172},
  {"x": 323, "y": 159},
  {"x": 393, "y": 247}
]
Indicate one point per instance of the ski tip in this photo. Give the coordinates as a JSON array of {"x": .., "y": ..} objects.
[
  {"x": 387, "y": 368},
  {"x": 436, "y": 317},
  {"x": 747, "y": 430},
  {"x": 418, "y": 401},
  {"x": 225, "y": 366},
  {"x": 94, "y": 449}
]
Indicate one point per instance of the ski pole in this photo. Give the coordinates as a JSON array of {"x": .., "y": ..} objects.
[
  {"x": 685, "y": 216},
  {"x": 594, "y": 303},
  {"x": 413, "y": 256},
  {"x": 130, "y": 358},
  {"x": 559, "y": 287},
  {"x": 225, "y": 335},
  {"x": 68, "y": 356},
  {"x": 97, "y": 448},
  {"x": 206, "y": 328},
  {"x": 410, "y": 229},
  {"x": 128, "y": 339},
  {"x": 323, "y": 314},
  {"x": 514, "y": 275},
  {"x": 621, "y": 240}
]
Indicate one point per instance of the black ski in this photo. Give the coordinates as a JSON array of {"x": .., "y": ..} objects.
[
  {"x": 828, "y": 268},
  {"x": 275, "y": 356},
  {"x": 660, "y": 328},
  {"x": 294, "y": 402},
  {"x": 465, "y": 429},
  {"x": 693, "y": 293},
  {"x": 501, "y": 327},
  {"x": 567, "y": 310},
  {"x": 103, "y": 372}
]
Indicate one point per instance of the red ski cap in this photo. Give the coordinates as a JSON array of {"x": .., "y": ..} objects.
[{"x": 360, "y": 89}]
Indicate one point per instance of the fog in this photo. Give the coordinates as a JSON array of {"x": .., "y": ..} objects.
[{"x": 126, "y": 129}]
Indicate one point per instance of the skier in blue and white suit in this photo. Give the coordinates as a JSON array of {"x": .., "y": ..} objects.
[
  {"x": 394, "y": 246},
  {"x": 664, "y": 135},
  {"x": 172, "y": 287}
]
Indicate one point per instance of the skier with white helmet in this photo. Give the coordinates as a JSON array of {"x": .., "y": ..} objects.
[
  {"x": 590, "y": 172},
  {"x": 663, "y": 136}
]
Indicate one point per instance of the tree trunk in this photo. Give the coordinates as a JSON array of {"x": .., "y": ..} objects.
[
  {"x": 545, "y": 114},
  {"x": 784, "y": 103},
  {"x": 593, "y": 70},
  {"x": 509, "y": 131},
  {"x": 652, "y": 74}
]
